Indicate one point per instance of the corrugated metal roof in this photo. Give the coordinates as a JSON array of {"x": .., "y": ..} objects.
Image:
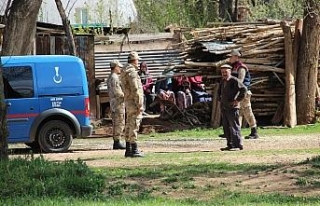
[
  {"x": 157, "y": 61},
  {"x": 215, "y": 47}
]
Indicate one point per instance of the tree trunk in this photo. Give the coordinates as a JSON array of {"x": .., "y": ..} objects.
[
  {"x": 225, "y": 10},
  {"x": 235, "y": 11},
  {"x": 20, "y": 30},
  {"x": 18, "y": 37},
  {"x": 3, "y": 122},
  {"x": 307, "y": 69},
  {"x": 67, "y": 27}
]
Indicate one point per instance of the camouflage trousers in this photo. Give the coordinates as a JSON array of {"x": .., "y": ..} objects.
[
  {"x": 184, "y": 99},
  {"x": 118, "y": 123},
  {"x": 133, "y": 121},
  {"x": 246, "y": 111}
]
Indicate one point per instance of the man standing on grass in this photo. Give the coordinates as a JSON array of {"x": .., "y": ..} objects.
[
  {"x": 116, "y": 103},
  {"x": 231, "y": 92},
  {"x": 241, "y": 71},
  {"x": 133, "y": 98}
]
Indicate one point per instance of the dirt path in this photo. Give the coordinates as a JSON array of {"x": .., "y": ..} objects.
[{"x": 97, "y": 152}]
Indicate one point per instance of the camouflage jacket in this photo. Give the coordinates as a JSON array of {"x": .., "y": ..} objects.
[
  {"x": 115, "y": 92},
  {"x": 132, "y": 86}
]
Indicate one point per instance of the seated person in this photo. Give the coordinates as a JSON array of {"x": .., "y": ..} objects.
[
  {"x": 147, "y": 83},
  {"x": 164, "y": 90},
  {"x": 198, "y": 90},
  {"x": 182, "y": 88}
]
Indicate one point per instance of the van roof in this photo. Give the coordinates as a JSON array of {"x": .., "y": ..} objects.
[{"x": 39, "y": 58}]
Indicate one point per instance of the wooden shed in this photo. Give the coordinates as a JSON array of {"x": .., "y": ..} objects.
[
  {"x": 154, "y": 49},
  {"x": 50, "y": 40}
]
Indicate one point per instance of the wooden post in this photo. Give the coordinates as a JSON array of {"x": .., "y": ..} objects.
[
  {"x": 216, "y": 111},
  {"x": 98, "y": 107},
  {"x": 290, "y": 115},
  {"x": 296, "y": 42}
]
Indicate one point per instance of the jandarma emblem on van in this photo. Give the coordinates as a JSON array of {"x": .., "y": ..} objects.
[{"x": 57, "y": 78}]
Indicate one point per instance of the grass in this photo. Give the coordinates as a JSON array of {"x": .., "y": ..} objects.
[
  {"x": 38, "y": 177},
  {"x": 165, "y": 184},
  {"x": 200, "y": 133},
  {"x": 173, "y": 178}
]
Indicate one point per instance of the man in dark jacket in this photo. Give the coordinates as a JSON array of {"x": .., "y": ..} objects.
[{"x": 231, "y": 92}]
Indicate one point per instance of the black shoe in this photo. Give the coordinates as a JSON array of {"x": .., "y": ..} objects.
[
  {"x": 118, "y": 145},
  {"x": 253, "y": 134},
  {"x": 221, "y": 135},
  {"x": 226, "y": 148},
  {"x": 128, "y": 152},
  {"x": 135, "y": 151},
  {"x": 240, "y": 147}
]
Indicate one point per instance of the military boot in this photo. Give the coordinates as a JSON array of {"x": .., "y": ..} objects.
[
  {"x": 128, "y": 152},
  {"x": 118, "y": 145},
  {"x": 135, "y": 151},
  {"x": 253, "y": 134}
]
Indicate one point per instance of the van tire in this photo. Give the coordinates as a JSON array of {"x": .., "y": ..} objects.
[{"x": 55, "y": 136}]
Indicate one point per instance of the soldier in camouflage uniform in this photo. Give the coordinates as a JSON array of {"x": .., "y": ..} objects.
[
  {"x": 133, "y": 98},
  {"x": 116, "y": 103}
]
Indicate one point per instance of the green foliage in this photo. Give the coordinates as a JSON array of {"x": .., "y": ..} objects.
[
  {"x": 277, "y": 9},
  {"x": 155, "y": 15},
  {"x": 38, "y": 177}
]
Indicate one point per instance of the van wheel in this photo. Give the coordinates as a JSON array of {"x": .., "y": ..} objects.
[{"x": 55, "y": 136}]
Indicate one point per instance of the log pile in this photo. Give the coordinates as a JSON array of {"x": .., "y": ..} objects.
[
  {"x": 262, "y": 48},
  {"x": 197, "y": 114}
]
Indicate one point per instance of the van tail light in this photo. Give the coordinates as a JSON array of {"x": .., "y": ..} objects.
[{"x": 87, "y": 107}]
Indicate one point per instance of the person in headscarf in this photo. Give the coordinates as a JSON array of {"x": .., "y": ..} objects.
[{"x": 147, "y": 84}]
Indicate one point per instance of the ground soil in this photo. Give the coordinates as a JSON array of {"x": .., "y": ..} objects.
[
  {"x": 149, "y": 124},
  {"x": 96, "y": 150}
]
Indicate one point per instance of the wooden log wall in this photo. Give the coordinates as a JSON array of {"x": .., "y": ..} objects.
[{"x": 263, "y": 51}]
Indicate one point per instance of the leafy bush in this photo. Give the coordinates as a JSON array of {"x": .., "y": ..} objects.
[{"x": 38, "y": 177}]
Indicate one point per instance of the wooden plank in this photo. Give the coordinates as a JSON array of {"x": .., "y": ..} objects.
[{"x": 216, "y": 111}]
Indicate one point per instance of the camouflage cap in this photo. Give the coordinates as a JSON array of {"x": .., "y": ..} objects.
[
  {"x": 115, "y": 63},
  {"x": 226, "y": 66},
  {"x": 133, "y": 56}
]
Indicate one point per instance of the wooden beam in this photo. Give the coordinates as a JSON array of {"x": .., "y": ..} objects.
[
  {"x": 216, "y": 110},
  {"x": 290, "y": 117}
]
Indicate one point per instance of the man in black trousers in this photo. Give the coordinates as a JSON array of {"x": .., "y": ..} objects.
[{"x": 231, "y": 92}]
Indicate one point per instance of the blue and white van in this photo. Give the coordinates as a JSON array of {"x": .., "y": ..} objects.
[{"x": 47, "y": 100}]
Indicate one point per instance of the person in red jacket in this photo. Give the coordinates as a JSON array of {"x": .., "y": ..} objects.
[
  {"x": 182, "y": 88},
  {"x": 198, "y": 90},
  {"x": 196, "y": 83}
]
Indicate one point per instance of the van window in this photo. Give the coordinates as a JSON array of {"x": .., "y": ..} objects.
[{"x": 18, "y": 82}]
